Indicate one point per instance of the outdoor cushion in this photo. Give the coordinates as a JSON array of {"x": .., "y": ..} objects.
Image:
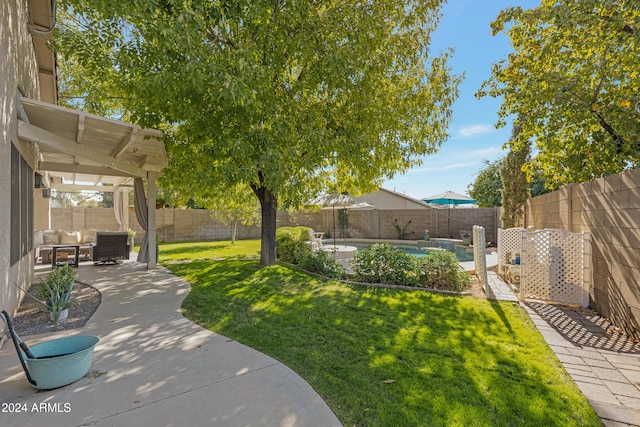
[
  {"x": 50, "y": 237},
  {"x": 38, "y": 238},
  {"x": 89, "y": 236},
  {"x": 69, "y": 237}
]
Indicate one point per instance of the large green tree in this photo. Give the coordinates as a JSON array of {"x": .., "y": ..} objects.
[
  {"x": 574, "y": 79},
  {"x": 279, "y": 95}
]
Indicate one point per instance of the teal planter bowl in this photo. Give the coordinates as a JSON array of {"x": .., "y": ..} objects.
[{"x": 65, "y": 360}]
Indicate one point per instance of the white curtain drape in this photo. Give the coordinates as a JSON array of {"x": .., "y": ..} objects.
[{"x": 118, "y": 207}]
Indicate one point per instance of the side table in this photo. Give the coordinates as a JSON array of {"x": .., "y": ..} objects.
[{"x": 56, "y": 248}]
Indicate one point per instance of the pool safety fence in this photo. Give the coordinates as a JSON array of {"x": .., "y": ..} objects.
[{"x": 551, "y": 265}]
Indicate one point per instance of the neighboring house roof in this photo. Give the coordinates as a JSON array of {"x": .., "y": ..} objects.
[{"x": 386, "y": 199}]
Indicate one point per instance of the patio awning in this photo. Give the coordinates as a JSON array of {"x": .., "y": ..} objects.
[
  {"x": 77, "y": 151},
  {"x": 81, "y": 151}
]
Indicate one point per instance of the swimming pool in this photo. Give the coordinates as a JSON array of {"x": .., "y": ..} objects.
[{"x": 422, "y": 248}]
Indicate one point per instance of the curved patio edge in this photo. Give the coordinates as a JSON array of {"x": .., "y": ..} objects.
[{"x": 154, "y": 366}]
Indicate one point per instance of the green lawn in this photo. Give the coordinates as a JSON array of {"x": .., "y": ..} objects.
[
  {"x": 382, "y": 357},
  {"x": 209, "y": 250}
]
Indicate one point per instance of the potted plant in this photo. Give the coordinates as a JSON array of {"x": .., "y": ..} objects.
[
  {"x": 466, "y": 238},
  {"x": 131, "y": 233},
  {"x": 55, "y": 291}
]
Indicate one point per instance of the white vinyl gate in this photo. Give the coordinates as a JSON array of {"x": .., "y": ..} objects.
[{"x": 555, "y": 265}]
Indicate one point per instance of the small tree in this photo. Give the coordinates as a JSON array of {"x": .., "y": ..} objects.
[
  {"x": 233, "y": 206},
  {"x": 487, "y": 188}
]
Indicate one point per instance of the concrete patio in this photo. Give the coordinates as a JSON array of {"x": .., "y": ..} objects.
[{"x": 152, "y": 366}]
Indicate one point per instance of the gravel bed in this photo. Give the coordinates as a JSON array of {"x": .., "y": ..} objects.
[{"x": 33, "y": 319}]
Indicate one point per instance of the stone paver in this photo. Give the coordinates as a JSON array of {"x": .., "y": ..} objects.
[{"x": 604, "y": 364}]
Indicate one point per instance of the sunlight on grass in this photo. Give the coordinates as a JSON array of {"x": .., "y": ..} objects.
[
  {"x": 209, "y": 250},
  {"x": 383, "y": 357}
]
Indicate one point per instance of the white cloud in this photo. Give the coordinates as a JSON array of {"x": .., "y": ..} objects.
[
  {"x": 473, "y": 130},
  {"x": 441, "y": 167}
]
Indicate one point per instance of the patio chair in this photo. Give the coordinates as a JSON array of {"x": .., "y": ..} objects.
[
  {"x": 110, "y": 247},
  {"x": 316, "y": 239}
]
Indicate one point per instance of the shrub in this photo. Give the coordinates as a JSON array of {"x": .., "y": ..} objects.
[
  {"x": 290, "y": 250},
  {"x": 441, "y": 270},
  {"x": 382, "y": 263},
  {"x": 299, "y": 234},
  {"x": 321, "y": 262}
]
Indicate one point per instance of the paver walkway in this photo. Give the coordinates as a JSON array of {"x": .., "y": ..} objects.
[{"x": 604, "y": 364}]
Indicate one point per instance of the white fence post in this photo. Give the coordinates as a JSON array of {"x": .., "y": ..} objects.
[
  {"x": 587, "y": 268},
  {"x": 480, "y": 256}
]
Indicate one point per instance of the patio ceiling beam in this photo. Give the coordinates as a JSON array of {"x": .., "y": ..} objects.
[
  {"x": 77, "y": 187},
  {"x": 42, "y": 137},
  {"x": 86, "y": 170},
  {"x": 125, "y": 143},
  {"x": 80, "y": 134}
]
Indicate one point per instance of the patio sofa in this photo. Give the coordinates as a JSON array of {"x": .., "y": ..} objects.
[{"x": 44, "y": 240}]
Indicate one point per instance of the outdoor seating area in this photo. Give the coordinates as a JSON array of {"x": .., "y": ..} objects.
[
  {"x": 46, "y": 240},
  {"x": 316, "y": 239},
  {"x": 61, "y": 246}
]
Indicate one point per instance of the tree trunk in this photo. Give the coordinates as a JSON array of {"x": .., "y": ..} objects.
[
  {"x": 234, "y": 231},
  {"x": 269, "y": 208}
]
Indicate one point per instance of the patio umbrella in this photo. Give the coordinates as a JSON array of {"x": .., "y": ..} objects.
[
  {"x": 449, "y": 198},
  {"x": 342, "y": 201}
]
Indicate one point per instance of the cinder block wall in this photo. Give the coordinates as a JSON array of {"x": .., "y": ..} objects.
[
  {"x": 379, "y": 224},
  {"x": 177, "y": 225},
  {"x": 609, "y": 208},
  {"x": 173, "y": 225}
]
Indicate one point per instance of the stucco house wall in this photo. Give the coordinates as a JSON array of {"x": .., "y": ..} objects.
[{"x": 18, "y": 71}]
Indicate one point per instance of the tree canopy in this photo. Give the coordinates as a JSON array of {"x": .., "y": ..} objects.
[
  {"x": 574, "y": 83},
  {"x": 286, "y": 97},
  {"x": 487, "y": 185}
]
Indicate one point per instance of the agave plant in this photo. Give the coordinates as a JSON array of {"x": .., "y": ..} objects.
[{"x": 55, "y": 291}]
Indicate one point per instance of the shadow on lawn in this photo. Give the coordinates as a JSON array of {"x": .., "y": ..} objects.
[{"x": 389, "y": 357}]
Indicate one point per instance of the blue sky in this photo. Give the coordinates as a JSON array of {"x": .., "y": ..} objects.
[{"x": 473, "y": 136}]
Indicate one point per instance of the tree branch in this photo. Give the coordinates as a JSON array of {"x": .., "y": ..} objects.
[{"x": 617, "y": 139}]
